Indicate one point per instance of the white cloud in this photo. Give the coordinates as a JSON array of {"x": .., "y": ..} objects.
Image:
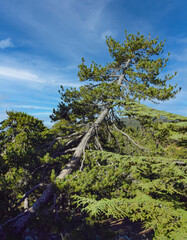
[
  {"x": 32, "y": 107},
  {"x": 36, "y": 80},
  {"x": 5, "y": 43},
  {"x": 42, "y": 114},
  {"x": 35, "y": 72},
  {"x": 19, "y": 74}
]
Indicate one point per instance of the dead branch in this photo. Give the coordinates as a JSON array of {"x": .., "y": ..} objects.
[
  {"x": 76, "y": 133},
  {"x": 180, "y": 163},
  {"x": 108, "y": 129},
  {"x": 72, "y": 140},
  {"x": 66, "y": 146},
  {"x": 82, "y": 162},
  {"x": 36, "y": 169},
  {"x": 125, "y": 134},
  {"x": 147, "y": 231},
  {"x": 52, "y": 143},
  {"x": 69, "y": 136},
  {"x": 28, "y": 193},
  {"x": 98, "y": 143},
  {"x": 70, "y": 150},
  {"x": 97, "y": 139}
]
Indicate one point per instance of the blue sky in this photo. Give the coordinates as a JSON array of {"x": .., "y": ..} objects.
[{"x": 42, "y": 43}]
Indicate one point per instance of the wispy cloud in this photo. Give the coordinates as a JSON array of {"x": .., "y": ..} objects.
[
  {"x": 19, "y": 74},
  {"x": 107, "y": 33},
  {"x": 180, "y": 55},
  {"x": 40, "y": 79},
  {"x": 6, "y": 43},
  {"x": 179, "y": 52},
  {"x": 181, "y": 40},
  {"x": 84, "y": 19},
  {"x": 32, "y": 107},
  {"x": 95, "y": 13},
  {"x": 42, "y": 114}
]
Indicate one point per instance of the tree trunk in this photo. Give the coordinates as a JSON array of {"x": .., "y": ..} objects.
[
  {"x": 22, "y": 221},
  {"x": 81, "y": 147}
]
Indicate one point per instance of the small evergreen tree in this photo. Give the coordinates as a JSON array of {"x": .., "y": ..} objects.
[{"x": 21, "y": 137}]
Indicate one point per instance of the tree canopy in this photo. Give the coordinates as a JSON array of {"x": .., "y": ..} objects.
[{"x": 134, "y": 74}]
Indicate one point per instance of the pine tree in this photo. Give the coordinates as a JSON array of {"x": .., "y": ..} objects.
[{"x": 133, "y": 75}]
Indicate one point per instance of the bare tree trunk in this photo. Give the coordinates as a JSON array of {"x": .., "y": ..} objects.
[{"x": 79, "y": 150}]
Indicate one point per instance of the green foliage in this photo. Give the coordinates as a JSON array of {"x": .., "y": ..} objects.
[
  {"x": 148, "y": 189},
  {"x": 21, "y": 138},
  {"x": 62, "y": 128},
  {"x": 53, "y": 175},
  {"x": 164, "y": 126},
  {"x": 136, "y": 60},
  {"x": 30, "y": 154},
  {"x": 167, "y": 222}
]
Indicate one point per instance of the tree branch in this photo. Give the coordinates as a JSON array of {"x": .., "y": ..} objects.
[
  {"x": 125, "y": 134},
  {"x": 97, "y": 139},
  {"x": 70, "y": 150},
  {"x": 28, "y": 193},
  {"x": 15, "y": 218},
  {"x": 98, "y": 143},
  {"x": 108, "y": 129},
  {"x": 82, "y": 162},
  {"x": 69, "y": 136},
  {"x": 147, "y": 231}
]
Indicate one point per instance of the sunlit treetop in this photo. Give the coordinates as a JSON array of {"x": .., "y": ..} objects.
[{"x": 134, "y": 74}]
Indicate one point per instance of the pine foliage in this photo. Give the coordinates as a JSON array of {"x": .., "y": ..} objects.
[{"x": 152, "y": 190}]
